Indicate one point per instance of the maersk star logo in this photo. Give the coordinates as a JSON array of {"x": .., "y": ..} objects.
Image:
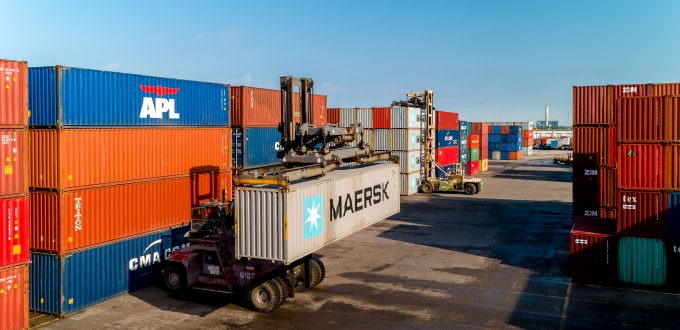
[{"x": 313, "y": 216}]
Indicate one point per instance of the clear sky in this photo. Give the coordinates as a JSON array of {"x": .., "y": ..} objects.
[{"x": 488, "y": 60}]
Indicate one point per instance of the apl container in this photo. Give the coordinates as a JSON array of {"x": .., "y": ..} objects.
[
  {"x": 13, "y": 94},
  {"x": 407, "y": 117},
  {"x": 14, "y": 285},
  {"x": 261, "y": 107},
  {"x": 288, "y": 224},
  {"x": 447, "y": 156},
  {"x": 260, "y": 146},
  {"x": 351, "y": 116},
  {"x": 409, "y": 183},
  {"x": 594, "y": 146},
  {"x": 593, "y": 249},
  {"x": 642, "y": 261},
  {"x": 640, "y": 166},
  {"x": 65, "y": 284},
  {"x": 382, "y": 117},
  {"x": 14, "y": 158},
  {"x": 409, "y": 161},
  {"x": 447, "y": 138},
  {"x": 72, "y": 97},
  {"x": 447, "y": 120},
  {"x": 14, "y": 231},
  {"x": 70, "y": 158},
  {"x": 73, "y": 220},
  {"x": 642, "y": 213}
]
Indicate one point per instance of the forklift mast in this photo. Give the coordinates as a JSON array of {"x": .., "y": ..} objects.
[{"x": 289, "y": 86}]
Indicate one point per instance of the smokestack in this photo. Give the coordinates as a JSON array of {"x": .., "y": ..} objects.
[{"x": 547, "y": 110}]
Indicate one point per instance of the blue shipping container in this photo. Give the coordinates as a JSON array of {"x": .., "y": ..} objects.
[
  {"x": 237, "y": 147},
  {"x": 493, "y": 138},
  {"x": 462, "y": 141},
  {"x": 505, "y": 155},
  {"x": 464, "y": 129},
  {"x": 463, "y": 155},
  {"x": 515, "y": 130},
  {"x": 71, "y": 97},
  {"x": 447, "y": 138},
  {"x": 260, "y": 146},
  {"x": 553, "y": 143},
  {"x": 65, "y": 284},
  {"x": 496, "y": 130},
  {"x": 674, "y": 215},
  {"x": 441, "y": 174},
  {"x": 515, "y": 138},
  {"x": 496, "y": 146}
]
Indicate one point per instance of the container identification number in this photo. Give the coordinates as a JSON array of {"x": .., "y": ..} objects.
[
  {"x": 588, "y": 213},
  {"x": 590, "y": 172},
  {"x": 630, "y": 89},
  {"x": 247, "y": 275}
]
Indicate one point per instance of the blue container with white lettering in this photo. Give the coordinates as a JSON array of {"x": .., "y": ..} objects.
[
  {"x": 463, "y": 155},
  {"x": 71, "y": 97},
  {"x": 260, "y": 146},
  {"x": 64, "y": 284},
  {"x": 236, "y": 147},
  {"x": 447, "y": 138},
  {"x": 464, "y": 127}
]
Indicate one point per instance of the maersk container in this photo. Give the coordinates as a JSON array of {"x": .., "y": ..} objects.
[
  {"x": 407, "y": 117},
  {"x": 14, "y": 158},
  {"x": 14, "y": 231},
  {"x": 409, "y": 183},
  {"x": 642, "y": 261},
  {"x": 447, "y": 138},
  {"x": 287, "y": 224},
  {"x": 66, "y": 284},
  {"x": 71, "y": 97},
  {"x": 350, "y": 116},
  {"x": 260, "y": 146},
  {"x": 14, "y": 285},
  {"x": 409, "y": 161},
  {"x": 13, "y": 94}
]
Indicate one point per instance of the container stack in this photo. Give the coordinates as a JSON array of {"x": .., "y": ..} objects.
[
  {"x": 478, "y": 146},
  {"x": 114, "y": 171},
  {"x": 463, "y": 153},
  {"x": 505, "y": 142},
  {"x": 14, "y": 201},
  {"x": 448, "y": 143},
  {"x": 256, "y": 115},
  {"x": 626, "y": 181},
  {"x": 527, "y": 128}
]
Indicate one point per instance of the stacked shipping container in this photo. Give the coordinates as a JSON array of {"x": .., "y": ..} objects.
[
  {"x": 505, "y": 142},
  {"x": 526, "y": 136},
  {"x": 122, "y": 159},
  {"x": 447, "y": 141},
  {"x": 14, "y": 202},
  {"x": 478, "y": 148}
]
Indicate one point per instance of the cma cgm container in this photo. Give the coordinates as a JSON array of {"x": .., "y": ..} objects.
[
  {"x": 595, "y": 146},
  {"x": 642, "y": 213},
  {"x": 260, "y": 107},
  {"x": 260, "y": 146},
  {"x": 14, "y": 231},
  {"x": 68, "y": 158},
  {"x": 13, "y": 94},
  {"x": 382, "y": 117},
  {"x": 65, "y": 284},
  {"x": 642, "y": 261},
  {"x": 288, "y": 224},
  {"x": 14, "y": 158},
  {"x": 447, "y": 138},
  {"x": 62, "y": 222},
  {"x": 406, "y": 117},
  {"x": 640, "y": 166},
  {"x": 593, "y": 247},
  {"x": 648, "y": 119},
  {"x": 71, "y": 97},
  {"x": 14, "y": 285}
]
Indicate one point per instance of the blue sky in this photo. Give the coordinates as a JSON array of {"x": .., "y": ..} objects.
[{"x": 488, "y": 60}]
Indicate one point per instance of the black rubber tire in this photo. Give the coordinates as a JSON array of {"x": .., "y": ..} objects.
[
  {"x": 427, "y": 187},
  {"x": 264, "y": 298},
  {"x": 322, "y": 268},
  {"x": 174, "y": 279},
  {"x": 470, "y": 189},
  {"x": 315, "y": 268},
  {"x": 283, "y": 289}
]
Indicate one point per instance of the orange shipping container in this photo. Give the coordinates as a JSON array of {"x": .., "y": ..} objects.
[
  {"x": 13, "y": 94},
  {"x": 14, "y": 297},
  {"x": 527, "y": 142},
  {"x": 514, "y": 155},
  {"x": 66, "y": 221},
  {"x": 69, "y": 158},
  {"x": 14, "y": 162},
  {"x": 527, "y": 134},
  {"x": 505, "y": 129},
  {"x": 672, "y": 166},
  {"x": 663, "y": 89},
  {"x": 261, "y": 107}
]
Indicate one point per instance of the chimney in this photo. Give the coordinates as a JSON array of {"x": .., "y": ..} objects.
[{"x": 547, "y": 110}]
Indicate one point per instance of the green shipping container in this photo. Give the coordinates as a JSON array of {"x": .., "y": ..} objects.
[
  {"x": 474, "y": 154},
  {"x": 642, "y": 261}
]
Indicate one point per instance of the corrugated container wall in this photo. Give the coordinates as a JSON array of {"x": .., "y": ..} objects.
[
  {"x": 14, "y": 231},
  {"x": 62, "y": 285},
  {"x": 642, "y": 261},
  {"x": 13, "y": 94},
  {"x": 261, "y": 107},
  {"x": 409, "y": 161},
  {"x": 593, "y": 248},
  {"x": 350, "y": 116},
  {"x": 594, "y": 187},
  {"x": 70, "y": 97},
  {"x": 14, "y": 297},
  {"x": 68, "y": 221},
  {"x": 14, "y": 157},
  {"x": 640, "y": 166},
  {"x": 260, "y": 146},
  {"x": 642, "y": 213},
  {"x": 313, "y": 213},
  {"x": 663, "y": 89},
  {"x": 447, "y": 120},
  {"x": 382, "y": 117},
  {"x": 407, "y": 117},
  {"x": 64, "y": 159},
  {"x": 333, "y": 116},
  {"x": 648, "y": 119},
  {"x": 672, "y": 166},
  {"x": 594, "y": 146},
  {"x": 409, "y": 183}
]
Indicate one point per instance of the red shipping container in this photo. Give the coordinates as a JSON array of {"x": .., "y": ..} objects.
[
  {"x": 594, "y": 146},
  {"x": 484, "y": 141},
  {"x": 64, "y": 159},
  {"x": 505, "y": 129},
  {"x": 382, "y": 117},
  {"x": 514, "y": 155},
  {"x": 473, "y": 167},
  {"x": 527, "y": 134},
  {"x": 593, "y": 249},
  {"x": 447, "y": 120},
  {"x": 594, "y": 105},
  {"x": 640, "y": 166},
  {"x": 648, "y": 119},
  {"x": 475, "y": 128},
  {"x": 333, "y": 116},
  {"x": 663, "y": 89},
  {"x": 13, "y": 94},
  {"x": 473, "y": 141},
  {"x": 642, "y": 213},
  {"x": 526, "y": 142},
  {"x": 261, "y": 107},
  {"x": 14, "y": 231},
  {"x": 484, "y": 129},
  {"x": 593, "y": 188},
  {"x": 14, "y": 157},
  {"x": 14, "y": 297},
  {"x": 446, "y": 156},
  {"x": 672, "y": 166}
]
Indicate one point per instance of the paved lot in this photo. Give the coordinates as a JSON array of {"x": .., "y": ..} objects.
[{"x": 495, "y": 260}]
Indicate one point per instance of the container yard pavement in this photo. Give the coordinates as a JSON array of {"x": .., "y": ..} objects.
[{"x": 496, "y": 259}]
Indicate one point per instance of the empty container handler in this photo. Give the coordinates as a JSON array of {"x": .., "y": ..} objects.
[
  {"x": 14, "y": 157},
  {"x": 62, "y": 222},
  {"x": 14, "y": 231},
  {"x": 447, "y": 120},
  {"x": 593, "y": 188},
  {"x": 463, "y": 128},
  {"x": 260, "y": 146},
  {"x": 593, "y": 248},
  {"x": 409, "y": 161},
  {"x": 473, "y": 154},
  {"x": 71, "y": 97},
  {"x": 14, "y": 297},
  {"x": 409, "y": 183},
  {"x": 75, "y": 158},
  {"x": 382, "y": 117},
  {"x": 640, "y": 166},
  {"x": 483, "y": 165},
  {"x": 351, "y": 116},
  {"x": 261, "y": 107},
  {"x": 447, "y": 156},
  {"x": 473, "y": 167},
  {"x": 447, "y": 138},
  {"x": 62, "y": 285},
  {"x": 642, "y": 261},
  {"x": 648, "y": 119},
  {"x": 13, "y": 94},
  {"x": 333, "y": 115},
  {"x": 407, "y": 117},
  {"x": 287, "y": 224},
  {"x": 642, "y": 213}
]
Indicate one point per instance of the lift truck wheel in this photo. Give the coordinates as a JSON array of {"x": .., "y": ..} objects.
[
  {"x": 316, "y": 262},
  {"x": 318, "y": 271},
  {"x": 174, "y": 279},
  {"x": 283, "y": 289},
  {"x": 264, "y": 297},
  {"x": 427, "y": 187},
  {"x": 470, "y": 189}
]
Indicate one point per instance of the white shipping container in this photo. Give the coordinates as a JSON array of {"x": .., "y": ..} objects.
[
  {"x": 496, "y": 155},
  {"x": 383, "y": 139},
  {"x": 349, "y": 116},
  {"x": 406, "y": 139},
  {"x": 409, "y": 161},
  {"x": 288, "y": 224},
  {"x": 527, "y": 151},
  {"x": 406, "y": 117},
  {"x": 410, "y": 183}
]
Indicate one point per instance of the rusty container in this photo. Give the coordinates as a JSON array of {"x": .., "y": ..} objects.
[
  {"x": 13, "y": 94},
  {"x": 14, "y": 158}
]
